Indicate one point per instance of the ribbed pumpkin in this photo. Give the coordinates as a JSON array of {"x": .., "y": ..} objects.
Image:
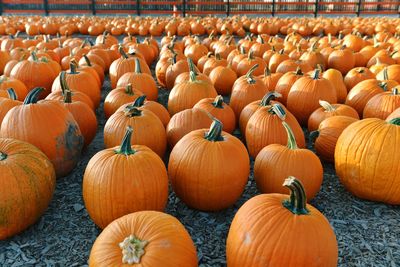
[
  {"x": 133, "y": 177},
  {"x": 245, "y": 90},
  {"x": 285, "y": 83},
  {"x": 80, "y": 81},
  {"x": 119, "y": 96},
  {"x": 327, "y": 135},
  {"x": 141, "y": 81},
  {"x": 7, "y": 103},
  {"x": 364, "y": 91},
  {"x": 394, "y": 114},
  {"x": 184, "y": 122},
  {"x": 83, "y": 114},
  {"x": 223, "y": 79},
  {"x": 277, "y": 59},
  {"x": 305, "y": 94},
  {"x": 337, "y": 81},
  {"x": 329, "y": 110},
  {"x": 364, "y": 160},
  {"x": 272, "y": 225},
  {"x": 276, "y": 162},
  {"x": 220, "y": 110},
  {"x": 197, "y": 175},
  {"x": 28, "y": 182},
  {"x": 246, "y": 64},
  {"x": 75, "y": 96},
  {"x": 159, "y": 110},
  {"x": 357, "y": 75},
  {"x": 149, "y": 130},
  {"x": 271, "y": 79},
  {"x": 342, "y": 59},
  {"x": 140, "y": 239},
  {"x": 265, "y": 128},
  {"x": 214, "y": 62},
  {"x": 381, "y": 105},
  {"x": 49, "y": 126},
  {"x": 390, "y": 73},
  {"x": 185, "y": 95},
  {"x": 19, "y": 87},
  {"x": 177, "y": 67}
]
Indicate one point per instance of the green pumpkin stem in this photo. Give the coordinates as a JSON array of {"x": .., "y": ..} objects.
[
  {"x": 385, "y": 74},
  {"x": 249, "y": 74},
  {"x": 395, "y": 91},
  {"x": 128, "y": 89},
  {"x": 87, "y": 60},
  {"x": 33, "y": 96},
  {"x": 122, "y": 52},
  {"x": 192, "y": 67},
  {"x": 11, "y": 94},
  {"x": 138, "y": 68},
  {"x": 3, "y": 156},
  {"x": 193, "y": 76},
  {"x": 218, "y": 102},
  {"x": 267, "y": 72},
  {"x": 214, "y": 134},
  {"x": 132, "y": 111},
  {"x": 139, "y": 101},
  {"x": 174, "y": 58},
  {"x": 291, "y": 143},
  {"x": 34, "y": 56},
  {"x": 266, "y": 100},
  {"x": 73, "y": 67},
  {"x": 383, "y": 85},
  {"x": 63, "y": 82},
  {"x": 67, "y": 96},
  {"x": 316, "y": 74},
  {"x": 395, "y": 121},
  {"x": 297, "y": 203},
  {"x": 278, "y": 110},
  {"x": 126, "y": 147},
  {"x": 314, "y": 135}
]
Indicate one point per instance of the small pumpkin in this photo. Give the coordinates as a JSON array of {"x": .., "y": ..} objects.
[
  {"x": 381, "y": 105},
  {"x": 285, "y": 83},
  {"x": 223, "y": 78},
  {"x": 337, "y": 81},
  {"x": 7, "y": 103},
  {"x": 196, "y": 174},
  {"x": 342, "y": 59},
  {"x": 357, "y": 75}
]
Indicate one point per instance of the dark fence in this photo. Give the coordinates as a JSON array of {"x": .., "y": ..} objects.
[{"x": 202, "y": 7}]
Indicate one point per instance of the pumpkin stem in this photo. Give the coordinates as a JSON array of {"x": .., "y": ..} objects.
[
  {"x": 384, "y": 86},
  {"x": 214, "y": 134},
  {"x": 249, "y": 74},
  {"x": 139, "y": 101},
  {"x": 63, "y": 82},
  {"x": 385, "y": 74},
  {"x": 87, "y": 60},
  {"x": 327, "y": 106},
  {"x": 316, "y": 74},
  {"x": 314, "y": 135},
  {"x": 299, "y": 72},
  {"x": 138, "y": 69},
  {"x": 33, "y": 96},
  {"x": 122, "y": 52},
  {"x": 132, "y": 249},
  {"x": 266, "y": 100},
  {"x": 34, "y": 56},
  {"x": 217, "y": 56},
  {"x": 250, "y": 55},
  {"x": 126, "y": 148},
  {"x": 11, "y": 94},
  {"x": 297, "y": 203},
  {"x": 67, "y": 96},
  {"x": 395, "y": 121},
  {"x": 174, "y": 58},
  {"x": 3, "y": 156},
  {"x": 291, "y": 143},
  {"x": 73, "y": 67},
  {"x": 192, "y": 67},
  {"x": 267, "y": 72},
  {"x": 218, "y": 102},
  {"x": 395, "y": 91},
  {"x": 278, "y": 110},
  {"x": 132, "y": 111}
]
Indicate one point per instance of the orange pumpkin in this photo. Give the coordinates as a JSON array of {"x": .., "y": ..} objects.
[
  {"x": 337, "y": 81},
  {"x": 19, "y": 87},
  {"x": 342, "y": 59},
  {"x": 119, "y": 96},
  {"x": 381, "y": 105},
  {"x": 357, "y": 75},
  {"x": 285, "y": 83},
  {"x": 223, "y": 78}
]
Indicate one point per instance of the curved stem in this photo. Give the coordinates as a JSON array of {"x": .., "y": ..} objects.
[
  {"x": 395, "y": 121},
  {"x": 266, "y": 100},
  {"x": 192, "y": 67},
  {"x": 385, "y": 74},
  {"x": 249, "y": 74},
  {"x": 383, "y": 86},
  {"x": 11, "y": 94},
  {"x": 33, "y": 96},
  {"x": 174, "y": 58},
  {"x": 260, "y": 39},
  {"x": 395, "y": 91},
  {"x": 214, "y": 134},
  {"x": 3, "y": 156},
  {"x": 218, "y": 102},
  {"x": 138, "y": 69},
  {"x": 278, "y": 110},
  {"x": 132, "y": 111},
  {"x": 139, "y": 101},
  {"x": 72, "y": 67},
  {"x": 63, "y": 82},
  {"x": 314, "y": 135},
  {"x": 87, "y": 60},
  {"x": 316, "y": 74},
  {"x": 327, "y": 106},
  {"x": 122, "y": 52},
  {"x": 297, "y": 203},
  {"x": 34, "y": 56},
  {"x": 291, "y": 143},
  {"x": 193, "y": 76},
  {"x": 126, "y": 148},
  {"x": 250, "y": 55}
]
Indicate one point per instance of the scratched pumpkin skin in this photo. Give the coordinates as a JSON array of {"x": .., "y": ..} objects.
[{"x": 50, "y": 127}]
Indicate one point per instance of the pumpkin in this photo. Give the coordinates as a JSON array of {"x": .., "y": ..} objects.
[
  {"x": 28, "y": 183},
  {"x": 196, "y": 174},
  {"x": 276, "y": 162},
  {"x": 246, "y": 64},
  {"x": 268, "y": 224},
  {"x": 270, "y": 80},
  {"x": 277, "y": 59},
  {"x": 265, "y": 128},
  {"x": 80, "y": 81},
  {"x": 359, "y": 96},
  {"x": 19, "y": 87},
  {"x": 7, "y": 103},
  {"x": 311, "y": 90},
  {"x": 134, "y": 177},
  {"x": 313, "y": 57},
  {"x": 196, "y": 50},
  {"x": 337, "y": 81},
  {"x": 149, "y": 130},
  {"x": 48, "y": 120},
  {"x": 86, "y": 63},
  {"x": 329, "y": 110},
  {"x": 214, "y": 62},
  {"x": 140, "y": 238},
  {"x": 82, "y": 113},
  {"x": 285, "y": 83},
  {"x": 390, "y": 73},
  {"x": 394, "y": 114},
  {"x": 245, "y": 90},
  {"x": 119, "y": 96},
  {"x": 4, "y": 58},
  {"x": 357, "y": 75},
  {"x": 177, "y": 67},
  {"x": 220, "y": 110},
  {"x": 223, "y": 78},
  {"x": 75, "y": 96},
  {"x": 342, "y": 59},
  {"x": 381, "y": 105},
  {"x": 327, "y": 134},
  {"x": 259, "y": 47},
  {"x": 184, "y": 122},
  {"x": 292, "y": 65},
  {"x": 363, "y": 154},
  {"x": 143, "y": 82},
  {"x": 185, "y": 76},
  {"x": 186, "y": 95}
]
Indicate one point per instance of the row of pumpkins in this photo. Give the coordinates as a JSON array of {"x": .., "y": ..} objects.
[
  {"x": 157, "y": 26},
  {"x": 276, "y": 86}
]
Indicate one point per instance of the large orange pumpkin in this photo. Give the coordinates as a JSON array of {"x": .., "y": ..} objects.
[
  {"x": 144, "y": 238},
  {"x": 197, "y": 175},
  {"x": 365, "y": 154},
  {"x": 263, "y": 231},
  {"x": 28, "y": 182},
  {"x": 133, "y": 178}
]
